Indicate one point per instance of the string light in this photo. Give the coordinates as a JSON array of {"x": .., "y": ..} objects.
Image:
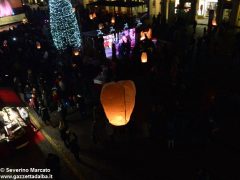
[{"x": 64, "y": 27}]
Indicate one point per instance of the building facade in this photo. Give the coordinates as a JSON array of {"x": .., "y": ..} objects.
[
  {"x": 227, "y": 11},
  {"x": 33, "y": 1},
  {"x": 224, "y": 10}
]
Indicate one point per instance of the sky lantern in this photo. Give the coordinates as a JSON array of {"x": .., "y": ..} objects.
[
  {"x": 76, "y": 52},
  {"x": 118, "y": 101},
  {"x": 38, "y": 45},
  {"x": 100, "y": 26},
  {"x": 149, "y": 33},
  {"x": 144, "y": 34},
  {"x": 214, "y": 22},
  {"x": 144, "y": 57},
  {"x": 91, "y": 16},
  {"x": 113, "y": 20},
  {"x": 94, "y": 15}
]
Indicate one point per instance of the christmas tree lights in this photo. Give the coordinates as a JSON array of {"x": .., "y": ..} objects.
[{"x": 63, "y": 23}]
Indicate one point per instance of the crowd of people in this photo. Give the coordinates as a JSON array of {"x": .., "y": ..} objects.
[{"x": 169, "y": 101}]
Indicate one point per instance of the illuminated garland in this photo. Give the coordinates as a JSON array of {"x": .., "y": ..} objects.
[{"x": 64, "y": 27}]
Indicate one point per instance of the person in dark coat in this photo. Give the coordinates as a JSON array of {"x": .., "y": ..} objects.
[
  {"x": 194, "y": 26},
  {"x": 62, "y": 110},
  {"x": 64, "y": 134},
  {"x": 44, "y": 114},
  {"x": 63, "y": 113},
  {"x": 81, "y": 105},
  {"x": 74, "y": 147}
]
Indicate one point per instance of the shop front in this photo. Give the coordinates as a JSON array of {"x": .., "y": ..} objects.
[{"x": 204, "y": 6}]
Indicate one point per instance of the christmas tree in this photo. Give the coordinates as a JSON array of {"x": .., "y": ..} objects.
[{"x": 63, "y": 23}]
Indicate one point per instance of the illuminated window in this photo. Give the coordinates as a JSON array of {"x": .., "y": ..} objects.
[{"x": 177, "y": 3}]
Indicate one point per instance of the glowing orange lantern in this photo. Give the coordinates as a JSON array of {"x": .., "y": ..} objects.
[
  {"x": 113, "y": 20},
  {"x": 76, "y": 52},
  {"x": 214, "y": 22},
  {"x": 144, "y": 57},
  {"x": 91, "y": 16},
  {"x": 100, "y": 26},
  {"x": 94, "y": 15},
  {"x": 148, "y": 33},
  {"x": 118, "y": 101},
  {"x": 142, "y": 36},
  {"x": 38, "y": 45}
]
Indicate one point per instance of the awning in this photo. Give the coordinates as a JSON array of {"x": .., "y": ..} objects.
[{"x": 116, "y": 3}]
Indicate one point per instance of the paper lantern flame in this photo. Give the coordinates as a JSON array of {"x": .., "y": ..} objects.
[
  {"x": 100, "y": 26},
  {"x": 145, "y": 34},
  {"x": 38, "y": 45},
  {"x": 90, "y": 16},
  {"x": 118, "y": 101},
  {"x": 214, "y": 23},
  {"x": 144, "y": 57},
  {"x": 76, "y": 52},
  {"x": 113, "y": 20},
  {"x": 142, "y": 37}
]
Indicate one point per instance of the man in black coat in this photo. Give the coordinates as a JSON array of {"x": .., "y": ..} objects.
[{"x": 44, "y": 114}]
